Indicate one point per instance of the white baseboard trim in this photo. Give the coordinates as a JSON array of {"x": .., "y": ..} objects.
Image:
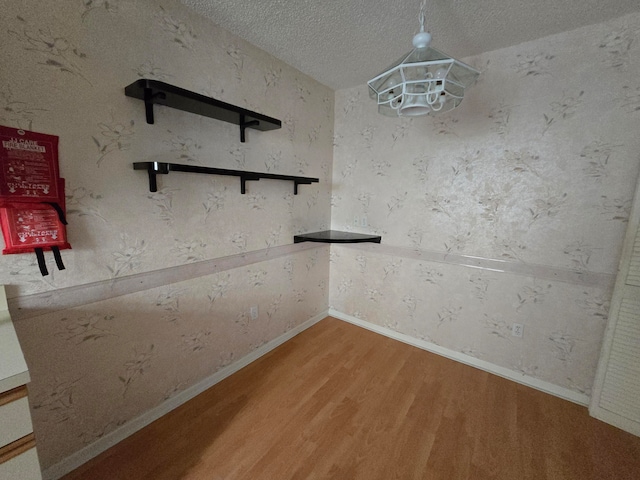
[
  {"x": 615, "y": 419},
  {"x": 93, "y": 450},
  {"x": 532, "y": 382}
]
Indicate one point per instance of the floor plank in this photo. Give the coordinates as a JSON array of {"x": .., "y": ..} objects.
[{"x": 339, "y": 402}]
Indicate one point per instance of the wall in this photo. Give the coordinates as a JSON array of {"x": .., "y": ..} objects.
[
  {"x": 510, "y": 209},
  {"x": 156, "y": 294}
]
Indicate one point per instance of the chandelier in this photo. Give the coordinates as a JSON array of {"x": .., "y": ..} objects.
[{"x": 425, "y": 81}]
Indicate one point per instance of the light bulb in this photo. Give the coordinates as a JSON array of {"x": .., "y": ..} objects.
[
  {"x": 393, "y": 81},
  {"x": 441, "y": 73}
]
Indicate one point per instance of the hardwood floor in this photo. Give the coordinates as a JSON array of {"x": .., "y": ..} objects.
[{"x": 339, "y": 402}]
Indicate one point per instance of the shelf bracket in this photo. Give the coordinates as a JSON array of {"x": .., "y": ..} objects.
[
  {"x": 244, "y": 125},
  {"x": 243, "y": 182},
  {"x": 301, "y": 181},
  {"x": 149, "y": 98},
  {"x": 153, "y": 169}
]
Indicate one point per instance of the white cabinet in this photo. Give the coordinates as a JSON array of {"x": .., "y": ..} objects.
[
  {"x": 15, "y": 418},
  {"x": 24, "y": 466},
  {"x": 18, "y": 455}
]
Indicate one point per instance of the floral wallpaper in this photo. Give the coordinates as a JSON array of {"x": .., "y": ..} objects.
[
  {"x": 97, "y": 366},
  {"x": 536, "y": 168},
  {"x": 67, "y": 78}
]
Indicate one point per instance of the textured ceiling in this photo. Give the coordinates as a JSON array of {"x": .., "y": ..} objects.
[{"x": 344, "y": 43}]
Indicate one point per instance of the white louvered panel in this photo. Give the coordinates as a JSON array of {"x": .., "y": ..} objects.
[
  {"x": 626, "y": 378},
  {"x": 630, "y": 303},
  {"x": 629, "y": 315},
  {"x": 628, "y": 333},
  {"x": 616, "y": 388},
  {"x": 617, "y": 398},
  {"x": 621, "y": 389},
  {"x": 631, "y": 312},
  {"x": 633, "y": 277},
  {"x": 627, "y": 340},
  {"x": 619, "y": 402},
  {"x": 621, "y": 406},
  {"x": 624, "y": 358}
]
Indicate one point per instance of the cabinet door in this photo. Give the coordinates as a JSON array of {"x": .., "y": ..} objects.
[
  {"x": 15, "y": 417},
  {"x": 23, "y": 467},
  {"x": 616, "y": 395}
]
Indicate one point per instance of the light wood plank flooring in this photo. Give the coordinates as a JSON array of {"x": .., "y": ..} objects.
[{"x": 339, "y": 402}]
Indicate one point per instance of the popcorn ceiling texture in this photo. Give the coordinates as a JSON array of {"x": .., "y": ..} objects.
[{"x": 345, "y": 43}]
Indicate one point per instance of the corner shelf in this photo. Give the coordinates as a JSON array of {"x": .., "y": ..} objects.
[
  {"x": 160, "y": 93},
  {"x": 336, "y": 236},
  {"x": 160, "y": 168}
]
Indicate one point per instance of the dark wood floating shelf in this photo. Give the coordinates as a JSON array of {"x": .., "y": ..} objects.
[
  {"x": 160, "y": 93},
  {"x": 335, "y": 236},
  {"x": 159, "y": 168}
]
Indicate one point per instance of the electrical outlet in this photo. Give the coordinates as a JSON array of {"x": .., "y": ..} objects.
[
  {"x": 253, "y": 311},
  {"x": 517, "y": 330},
  {"x": 364, "y": 222}
]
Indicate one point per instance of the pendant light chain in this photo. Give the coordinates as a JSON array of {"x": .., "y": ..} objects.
[{"x": 422, "y": 14}]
